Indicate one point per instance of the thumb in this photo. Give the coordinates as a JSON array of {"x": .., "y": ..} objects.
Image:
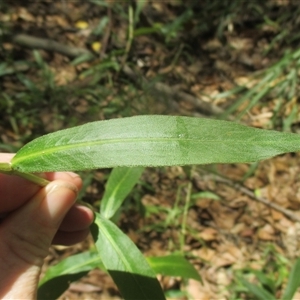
[
  {"x": 37, "y": 221},
  {"x": 27, "y": 233}
]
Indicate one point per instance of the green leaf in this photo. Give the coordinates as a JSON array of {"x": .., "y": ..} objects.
[
  {"x": 151, "y": 141},
  {"x": 119, "y": 184},
  {"x": 266, "y": 281},
  {"x": 58, "y": 278},
  {"x": 146, "y": 30},
  {"x": 257, "y": 290},
  {"x": 293, "y": 282},
  {"x": 173, "y": 265},
  {"x": 82, "y": 58},
  {"x": 205, "y": 194},
  {"x": 125, "y": 263},
  {"x": 101, "y": 26},
  {"x": 139, "y": 8}
]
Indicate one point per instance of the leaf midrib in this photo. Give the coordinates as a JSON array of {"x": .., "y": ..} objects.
[{"x": 47, "y": 151}]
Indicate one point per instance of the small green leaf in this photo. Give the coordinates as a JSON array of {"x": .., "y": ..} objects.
[
  {"x": 206, "y": 194},
  {"x": 120, "y": 183},
  {"x": 101, "y": 25},
  {"x": 173, "y": 265},
  {"x": 145, "y": 31},
  {"x": 125, "y": 263},
  {"x": 293, "y": 282},
  {"x": 58, "y": 278},
  {"x": 82, "y": 58},
  {"x": 151, "y": 141},
  {"x": 259, "y": 292},
  {"x": 265, "y": 280}
]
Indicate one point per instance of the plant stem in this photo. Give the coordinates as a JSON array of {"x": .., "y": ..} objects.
[
  {"x": 33, "y": 178},
  {"x": 185, "y": 214},
  {"x": 5, "y": 168},
  {"x": 130, "y": 36}
]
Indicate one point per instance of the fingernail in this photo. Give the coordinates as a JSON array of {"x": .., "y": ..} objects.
[
  {"x": 73, "y": 175},
  {"x": 85, "y": 204},
  {"x": 51, "y": 187},
  {"x": 60, "y": 196}
]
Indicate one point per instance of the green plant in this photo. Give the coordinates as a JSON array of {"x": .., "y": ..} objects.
[
  {"x": 280, "y": 81},
  {"x": 268, "y": 282},
  {"x": 129, "y": 144}
]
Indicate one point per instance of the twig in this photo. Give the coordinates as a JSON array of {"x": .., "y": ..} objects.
[
  {"x": 251, "y": 194},
  {"x": 49, "y": 45}
]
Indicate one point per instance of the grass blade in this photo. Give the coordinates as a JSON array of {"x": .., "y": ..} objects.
[
  {"x": 293, "y": 282},
  {"x": 259, "y": 292}
]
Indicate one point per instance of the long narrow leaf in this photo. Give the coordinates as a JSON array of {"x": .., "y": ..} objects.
[
  {"x": 259, "y": 292},
  {"x": 256, "y": 98},
  {"x": 293, "y": 282},
  {"x": 120, "y": 183},
  {"x": 151, "y": 141},
  {"x": 173, "y": 265},
  {"x": 125, "y": 263},
  {"x": 58, "y": 278}
]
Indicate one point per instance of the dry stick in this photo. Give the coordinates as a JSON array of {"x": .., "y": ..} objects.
[
  {"x": 251, "y": 194},
  {"x": 48, "y": 45}
]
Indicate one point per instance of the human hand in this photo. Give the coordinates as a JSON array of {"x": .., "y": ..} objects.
[{"x": 31, "y": 218}]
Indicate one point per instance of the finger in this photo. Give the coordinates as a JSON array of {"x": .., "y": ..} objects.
[
  {"x": 26, "y": 235},
  {"x": 70, "y": 238},
  {"x": 6, "y": 157},
  {"x": 30, "y": 230},
  {"x": 15, "y": 191},
  {"x": 66, "y": 176},
  {"x": 79, "y": 217}
]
